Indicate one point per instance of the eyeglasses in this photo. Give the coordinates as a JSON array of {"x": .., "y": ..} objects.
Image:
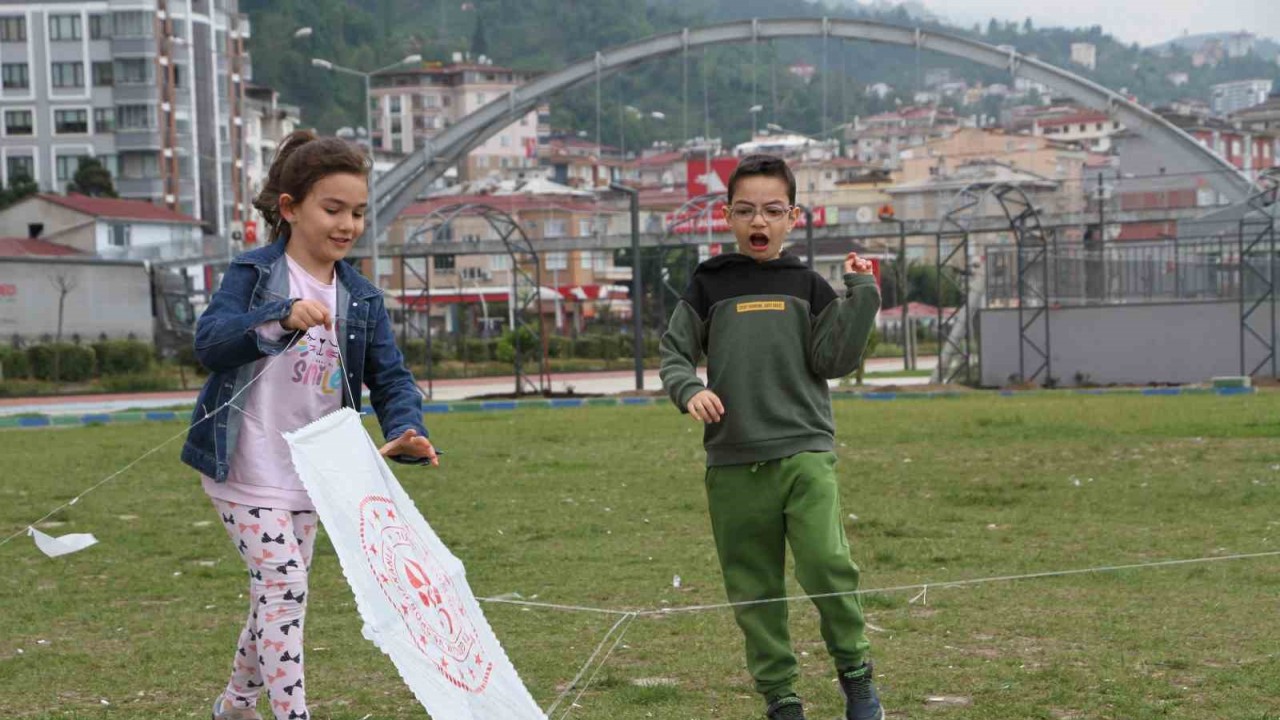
[{"x": 747, "y": 213}]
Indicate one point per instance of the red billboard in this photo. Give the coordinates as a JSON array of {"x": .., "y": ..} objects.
[{"x": 703, "y": 177}]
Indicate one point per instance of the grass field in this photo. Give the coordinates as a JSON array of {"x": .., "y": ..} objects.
[{"x": 603, "y": 506}]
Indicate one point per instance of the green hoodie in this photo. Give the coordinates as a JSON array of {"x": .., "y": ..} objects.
[{"x": 773, "y": 333}]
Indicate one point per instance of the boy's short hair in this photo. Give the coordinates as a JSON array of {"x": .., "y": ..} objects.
[{"x": 766, "y": 166}]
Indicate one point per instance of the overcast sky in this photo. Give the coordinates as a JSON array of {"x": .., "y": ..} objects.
[{"x": 1146, "y": 22}]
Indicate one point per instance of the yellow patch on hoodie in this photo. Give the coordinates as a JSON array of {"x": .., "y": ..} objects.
[{"x": 762, "y": 305}]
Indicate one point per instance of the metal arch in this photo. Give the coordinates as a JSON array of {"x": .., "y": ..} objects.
[
  {"x": 691, "y": 211},
  {"x": 953, "y": 261},
  {"x": 1259, "y": 262},
  {"x": 518, "y": 246},
  {"x": 1032, "y": 247},
  {"x": 403, "y": 183}
]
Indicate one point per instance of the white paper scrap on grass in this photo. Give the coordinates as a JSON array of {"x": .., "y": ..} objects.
[
  {"x": 411, "y": 591},
  {"x": 64, "y": 545}
]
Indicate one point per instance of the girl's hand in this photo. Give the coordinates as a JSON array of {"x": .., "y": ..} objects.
[
  {"x": 855, "y": 264},
  {"x": 306, "y": 314},
  {"x": 411, "y": 444}
]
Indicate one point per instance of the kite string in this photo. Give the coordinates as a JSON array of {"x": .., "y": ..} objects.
[
  {"x": 622, "y": 626},
  {"x": 585, "y": 666},
  {"x": 157, "y": 448}
]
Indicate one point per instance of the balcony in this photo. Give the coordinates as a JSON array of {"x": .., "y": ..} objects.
[{"x": 138, "y": 140}]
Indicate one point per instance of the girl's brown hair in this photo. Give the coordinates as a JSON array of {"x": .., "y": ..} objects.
[{"x": 303, "y": 159}]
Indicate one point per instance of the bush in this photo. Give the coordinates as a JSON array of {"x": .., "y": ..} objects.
[
  {"x": 138, "y": 382},
  {"x": 415, "y": 351},
  {"x": 506, "y": 352},
  {"x": 123, "y": 357},
  {"x": 558, "y": 346},
  {"x": 477, "y": 350},
  {"x": 77, "y": 361},
  {"x": 15, "y": 364}
]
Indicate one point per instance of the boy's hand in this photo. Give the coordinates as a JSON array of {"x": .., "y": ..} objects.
[
  {"x": 706, "y": 407},
  {"x": 411, "y": 444},
  {"x": 306, "y": 314},
  {"x": 856, "y": 265}
]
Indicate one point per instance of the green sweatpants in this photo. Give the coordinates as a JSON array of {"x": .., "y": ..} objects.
[{"x": 755, "y": 509}]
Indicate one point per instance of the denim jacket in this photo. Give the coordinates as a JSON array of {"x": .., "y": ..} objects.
[{"x": 255, "y": 291}]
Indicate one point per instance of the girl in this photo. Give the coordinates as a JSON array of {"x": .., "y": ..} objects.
[{"x": 296, "y": 298}]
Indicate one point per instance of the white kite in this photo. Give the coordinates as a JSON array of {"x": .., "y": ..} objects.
[{"x": 411, "y": 591}]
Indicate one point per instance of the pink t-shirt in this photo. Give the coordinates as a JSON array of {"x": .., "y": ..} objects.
[{"x": 300, "y": 387}]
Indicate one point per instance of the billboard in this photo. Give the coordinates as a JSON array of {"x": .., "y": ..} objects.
[{"x": 704, "y": 177}]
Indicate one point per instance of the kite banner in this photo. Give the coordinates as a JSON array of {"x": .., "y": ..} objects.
[{"x": 411, "y": 591}]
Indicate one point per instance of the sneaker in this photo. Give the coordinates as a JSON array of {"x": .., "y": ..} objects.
[
  {"x": 860, "y": 699},
  {"x": 785, "y": 708},
  {"x": 221, "y": 711}
]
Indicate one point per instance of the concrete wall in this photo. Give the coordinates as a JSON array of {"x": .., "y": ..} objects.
[{"x": 1130, "y": 344}]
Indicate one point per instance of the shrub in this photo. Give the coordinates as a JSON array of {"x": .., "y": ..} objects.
[
  {"x": 77, "y": 361},
  {"x": 123, "y": 357}
]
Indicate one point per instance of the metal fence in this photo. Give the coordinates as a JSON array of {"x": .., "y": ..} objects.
[{"x": 1132, "y": 273}]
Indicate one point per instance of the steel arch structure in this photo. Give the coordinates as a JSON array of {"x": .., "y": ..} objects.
[
  {"x": 526, "y": 286},
  {"x": 402, "y": 184}
]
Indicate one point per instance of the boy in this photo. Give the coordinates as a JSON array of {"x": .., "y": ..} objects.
[{"x": 773, "y": 332}]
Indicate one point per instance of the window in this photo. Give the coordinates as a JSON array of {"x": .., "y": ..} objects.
[
  {"x": 18, "y": 122},
  {"x": 557, "y": 260},
  {"x": 134, "y": 117},
  {"x": 430, "y": 101},
  {"x": 584, "y": 256},
  {"x": 70, "y": 122},
  {"x": 500, "y": 262},
  {"x": 15, "y": 76},
  {"x": 140, "y": 165},
  {"x": 67, "y": 74},
  {"x": 104, "y": 120},
  {"x": 396, "y": 126},
  {"x": 21, "y": 166},
  {"x": 133, "y": 71},
  {"x": 103, "y": 75},
  {"x": 111, "y": 163},
  {"x": 64, "y": 27},
  {"x": 120, "y": 235},
  {"x": 177, "y": 75},
  {"x": 554, "y": 228},
  {"x": 67, "y": 166},
  {"x": 132, "y": 23},
  {"x": 443, "y": 263},
  {"x": 584, "y": 229},
  {"x": 99, "y": 27},
  {"x": 395, "y": 103},
  {"x": 13, "y": 29}
]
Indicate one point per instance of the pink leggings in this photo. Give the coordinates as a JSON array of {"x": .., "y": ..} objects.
[{"x": 276, "y": 546}]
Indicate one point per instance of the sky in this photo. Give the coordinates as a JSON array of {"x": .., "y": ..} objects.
[{"x": 1146, "y": 22}]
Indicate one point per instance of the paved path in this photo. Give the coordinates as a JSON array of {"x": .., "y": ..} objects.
[{"x": 603, "y": 383}]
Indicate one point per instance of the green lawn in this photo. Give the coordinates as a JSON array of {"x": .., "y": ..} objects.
[{"x": 602, "y": 506}]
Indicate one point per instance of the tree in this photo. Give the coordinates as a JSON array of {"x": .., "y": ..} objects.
[
  {"x": 479, "y": 43},
  {"x": 65, "y": 285},
  {"x": 93, "y": 179},
  {"x": 20, "y": 186}
]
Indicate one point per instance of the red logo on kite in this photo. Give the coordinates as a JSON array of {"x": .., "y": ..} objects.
[{"x": 424, "y": 595}]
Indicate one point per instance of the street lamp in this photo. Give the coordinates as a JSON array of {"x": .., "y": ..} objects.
[
  {"x": 755, "y": 111},
  {"x": 368, "y": 123},
  {"x": 886, "y": 214}
]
